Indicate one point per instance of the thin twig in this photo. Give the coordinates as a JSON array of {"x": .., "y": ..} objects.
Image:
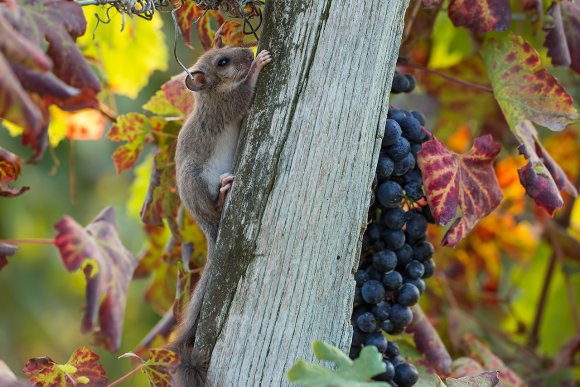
[
  {"x": 534, "y": 333},
  {"x": 107, "y": 112},
  {"x": 411, "y": 20},
  {"x": 451, "y": 78},
  {"x": 71, "y": 172},
  {"x": 567, "y": 281},
  {"x": 28, "y": 241},
  {"x": 126, "y": 376}
]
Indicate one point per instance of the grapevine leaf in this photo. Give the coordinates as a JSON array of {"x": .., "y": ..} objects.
[
  {"x": 481, "y": 15},
  {"x": 152, "y": 251},
  {"x": 542, "y": 177},
  {"x": 232, "y": 33},
  {"x": 160, "y": 105},
  {"x": 348, "y": 373},
  {"x": 524, "y": 89},
  {"x": 178, "y": 94},
  {"x": 9, "y": 171},
  {"x": 188, "y": 13},
  {"x": 491, "y": 362},
  {"x": 133, "y": 128},
  {"x": 161, "y": 364},
  {"x": 563, "y": 37},
  {"x": 465, "y": 182},
  {"x": 527, "y": 92},
  {"x": 126, "y": 56},
  {"x": 81, "y": 369},
  {"x": 6, "y": 250},
  {"x": 8, "y": 379},
  {"x": 161, "y": 200},
  {"x": 466, "y": 366},
  {"x": 108, "y": 268},
  {"x": 33, "y": 80},
  {"x": 486, "y": 379}
]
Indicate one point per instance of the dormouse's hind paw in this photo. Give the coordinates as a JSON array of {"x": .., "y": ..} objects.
[{"x": 226, "y": 181}]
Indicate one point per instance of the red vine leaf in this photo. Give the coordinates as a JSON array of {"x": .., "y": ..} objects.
[
  {"x": 188, "y": 13},
  {"x": 160, "y": 366},
  {"x": 6, "y": 250},
  {"x": 9, "y": 171},
  {"x": 81, "y": 369},
  {"x": 465, "y": 182},
  {"x": 542, "y": 177},
  {"x": 108, "y": 268},
  {"x": 178, "y": 94},
  {"x": 481, "y": 15},
  {"x": 524, "y": 89},
  {"x": 32, "y": 79},
  {"x": 563, "y": 37},
  {"x": 133, "y": 128}
]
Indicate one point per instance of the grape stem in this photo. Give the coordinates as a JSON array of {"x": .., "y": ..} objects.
[
  {"x": 27, "y": 241},
  {"x": 451, "y": 78},
  {"x": 126, "y": 376}
]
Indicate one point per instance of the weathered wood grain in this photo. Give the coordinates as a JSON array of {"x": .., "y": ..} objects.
[{"x": 291, "y": 232}]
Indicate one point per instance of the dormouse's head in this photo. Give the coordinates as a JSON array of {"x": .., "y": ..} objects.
[{"x": 219, "y": 68}]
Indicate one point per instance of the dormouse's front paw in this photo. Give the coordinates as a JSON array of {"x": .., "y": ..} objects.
[{"x": 262, "y": 59}]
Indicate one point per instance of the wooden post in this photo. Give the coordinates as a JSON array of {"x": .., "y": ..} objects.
[{"x": 291, "y": 232}]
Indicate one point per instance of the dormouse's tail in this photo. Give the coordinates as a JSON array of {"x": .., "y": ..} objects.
[{"x": 192, "y": 371}]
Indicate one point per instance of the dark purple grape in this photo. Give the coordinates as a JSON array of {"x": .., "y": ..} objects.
[
  {"x": 393, "y": 240},
  {"x": 358, "y": 336},
  {"x": 385, "y": 261},
  {"x": 358, "y": 301},
  {"x": 399, "y": 150},
  {"x": 414, "y": 269},
  {"x": 412, "y": 83},
  {"x": 378, "y": 340},
  {"x": 405, "y": 165},
  {"x": 416, "y": 226},
  {"x": 400, "y": 316},
  {"x": 373, "y": 292},
  {"x": 374, "y": 274},
  {"x": 429, "y": 267},
  {"x": 387, "y": 326},
  {"x": 419, "y": 117},
  {"x": 366, "y": 322},
  {"x": 361, "y": 277},
  {"x": 422, "y": 251},
  {"x": 393, "y": 280},
  {"x": 411, "y": 128},
  {"x": 392, "y": 132},
  {"x": 385, "y": 167},
  {"x": 393, "y": 218},
  {"x": 390, "y": 194},
  {"x": 392, "y": 350},
  {"x": 414, "y": 191},
  {"x": 374, "y": 231},
  {"x": 408, "y": 295},
  {"x": 397, "y": 114},
  {"x": 381, "y": 311},
  {"x": 405, "y": 375},
  {"x": 415, "y": 148},
  {"x": 419, "y": 283},
  {"x": 400, "y": 84},
  {"x": 389, "y": 373},
  {"x": 404, "y": 255}
]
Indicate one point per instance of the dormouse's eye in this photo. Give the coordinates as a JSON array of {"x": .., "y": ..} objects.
[{"x": 222, "y": 62}]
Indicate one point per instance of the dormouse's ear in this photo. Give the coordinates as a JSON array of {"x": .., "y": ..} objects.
[
  {"x": 196, "y": 82},
  {"x": 218, "y": 42}
]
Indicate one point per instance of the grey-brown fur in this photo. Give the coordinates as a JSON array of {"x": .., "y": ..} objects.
[{"x": 206, "y": 147}]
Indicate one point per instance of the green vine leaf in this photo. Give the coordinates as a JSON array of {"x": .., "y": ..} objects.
[{"x": 357, "y": 373}]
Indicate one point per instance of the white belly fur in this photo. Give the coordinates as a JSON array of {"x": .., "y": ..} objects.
[{"x": 222, "y": 159}]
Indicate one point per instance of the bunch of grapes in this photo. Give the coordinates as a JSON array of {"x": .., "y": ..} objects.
[{"x": 395, "y": 258}]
